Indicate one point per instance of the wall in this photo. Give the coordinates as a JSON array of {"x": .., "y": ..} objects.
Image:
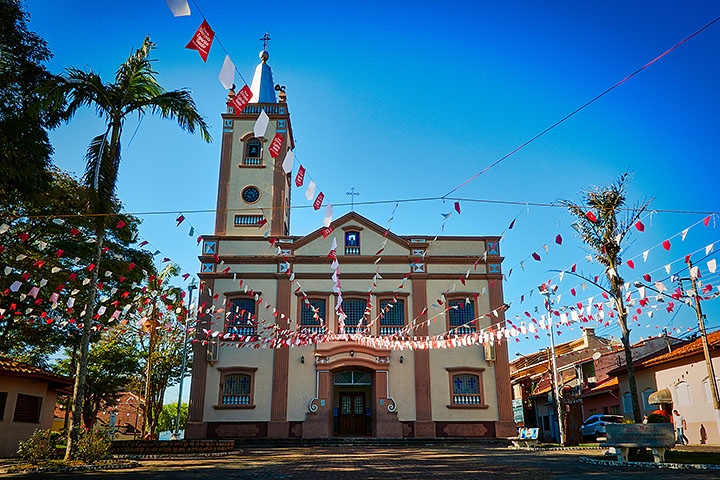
[{"x": 12, "y": 432}]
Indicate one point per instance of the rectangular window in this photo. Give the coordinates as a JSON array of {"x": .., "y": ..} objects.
[
  {"x": 313, "y": 316},
  {"x": 3, "y": 402},
  {"x": 646, "y": 400},
  {"x": 392, "y": 316},
  {"x": 27, "y": 409},
  {"x": 462, "y": 316},
  {"x": 352, "y": 243},
  {"x": 627, "y": 403},
  {"x": 354, "y": 308},
  {"x": 466, "y": 388},
  {"x": 236, "y": 387},
  {"x": 615, "y": 410},
  {"x": 248, "y": 220},
  {"x": 240, "y": 315}
]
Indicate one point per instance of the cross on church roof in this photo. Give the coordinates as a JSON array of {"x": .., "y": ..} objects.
[{"x": 265, "y": 39}]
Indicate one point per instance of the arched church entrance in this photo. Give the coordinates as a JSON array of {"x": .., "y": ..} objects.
[{"x": 352, "y": 402}]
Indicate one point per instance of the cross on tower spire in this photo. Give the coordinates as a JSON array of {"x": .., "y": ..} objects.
[{"x": 265, "y": 39}]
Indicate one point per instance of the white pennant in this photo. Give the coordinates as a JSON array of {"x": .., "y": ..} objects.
[
  {"x": 328, "y": 215},
  {"x": 645, "y": 255},
  {"x": 179, "y": 8},
  {"x": 288, "y": 162},
  {"x": 227, "y": 72},
  {"x": 310, "y": 193},
  {"x": 261, "y": 124},
  {"x": 684, "y": 234},
  {"x": 712, "y": 265},
  {"x": 709, "y": 248}
]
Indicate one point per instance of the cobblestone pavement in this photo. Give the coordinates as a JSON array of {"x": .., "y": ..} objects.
[{"x": 366, "y": 462}]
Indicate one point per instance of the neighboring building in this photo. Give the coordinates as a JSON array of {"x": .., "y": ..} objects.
[
  {"x": 27, "y": 401},
  {"x": 250, "y": 288},
  {"x": 127, "y": 414},
  {"x": 531, "y": 377},
  {"x": 683, "y": 372}
]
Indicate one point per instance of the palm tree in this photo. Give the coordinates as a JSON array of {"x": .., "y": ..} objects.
[
  {"x": 600, "y": 229},
  {"x": 134, "y": 90}
]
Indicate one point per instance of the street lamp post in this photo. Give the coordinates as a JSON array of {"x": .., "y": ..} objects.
[
  {"x": 703, "y": 336},
  {"x": 544, "y": 290},
  {"x": 191, "y": 287}
]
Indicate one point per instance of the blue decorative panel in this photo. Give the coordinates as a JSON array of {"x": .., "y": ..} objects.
[
  {"x": 493, "y": 248},
  {"x": 210, "y": 248},
  {"x": 494, "y": 268}
]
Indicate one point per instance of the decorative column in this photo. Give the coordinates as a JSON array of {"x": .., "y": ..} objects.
[
  {"x": 279, "y": 426},
  {"x": 424, "y": 426}
]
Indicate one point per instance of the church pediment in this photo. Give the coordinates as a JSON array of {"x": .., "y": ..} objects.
[{"x": 356, "y": 235}]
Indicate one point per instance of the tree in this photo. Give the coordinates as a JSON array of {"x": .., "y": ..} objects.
[
  {"x": 24, "y": 146},
  {"x": 166, "y": 421},
  {"x": 51, "y": 254},
  {"x": 135, "y": 90},
  {"x": 111, "y": 368},
  {"x": 600, "y": 229}
]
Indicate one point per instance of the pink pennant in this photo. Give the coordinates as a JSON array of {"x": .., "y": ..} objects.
[
  {"x": 120, "y": 224},
  {"x": 327, "y": 231},
  {"x": 558, "y": 240},
  {"x": 300, "y": 177},
  {"x": 666, "y": 244},
  {"x": 536, "y": 256},
  {"x": 318, "y": 201},
  {"x": 512, "y": 224},
  {"x": 639, "y": 225},
  {"x": 707, "y": 220},
  {"x": 630, "y": 264},
  {"x": 180, "y": 219},
  {"x": 647, "y": 277},
  {"x": 591, "y": 216},
  {"x": 276, "y": 145},
  {"x": 240, "y": 100},
  {"x": 457, "y": 207}
]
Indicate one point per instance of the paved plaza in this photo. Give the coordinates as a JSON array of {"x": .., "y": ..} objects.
[{"x": 373, "y": 462}]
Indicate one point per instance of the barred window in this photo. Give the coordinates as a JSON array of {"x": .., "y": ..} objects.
[
  {"x": 253, "y": 152},
  {"x": 236, "y": 389},
  {"x": 248, "y": 220},
  {"x": 309, "y": 316},
  {"x": 354, "y": 308},
  {"x": 392, "y": 316},
  {"x": 352, "y": 243},
  {"x": 462, "y": 315},
  {"x": 466, "y": 384},
  {"x": 239, "y": 316},
  {"x": 238, "y": 384}
]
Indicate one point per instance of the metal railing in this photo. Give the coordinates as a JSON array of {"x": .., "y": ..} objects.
[
  {"x": 352, "y": 250},
  {"x": 252, "y": 161},
  {"x": 236, "y": 400},
  {"x": 394, "y": 330},
  {"x": 468, "y": 399}
]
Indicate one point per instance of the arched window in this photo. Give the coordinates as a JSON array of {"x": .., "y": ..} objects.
[
  {"x": 352, "y": 243},
  {"x": 682, "y": 393},
  {"x": 646, "y": 399},
  {"x": 253, "y": 152}
]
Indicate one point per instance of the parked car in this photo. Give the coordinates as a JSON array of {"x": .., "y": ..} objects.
[{"x": 594, "y": 426}]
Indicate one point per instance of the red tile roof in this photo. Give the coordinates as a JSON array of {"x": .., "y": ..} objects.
[
  {"x": 687, "y": 350},
  {"x": 12, "y": 367}
]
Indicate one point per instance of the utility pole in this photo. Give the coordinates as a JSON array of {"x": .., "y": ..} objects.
[
  {"x": 561, "y": 423},
  {"x": 706, "y": 347},
  {"x": 191, "y": 287},
  {"x": 147, "y": 416}
]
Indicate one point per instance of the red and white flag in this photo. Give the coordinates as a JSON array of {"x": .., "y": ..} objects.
[
  {"x": 276, "y": 145},
  {"x": 202, "y": 41},
  {"x": 318, "y": 201},
  {"x": 300, "y": 176},
  {"x": 241, "y": 99}
]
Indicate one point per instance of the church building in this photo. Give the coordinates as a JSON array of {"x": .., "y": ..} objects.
[{"x": 372, "y": 370}]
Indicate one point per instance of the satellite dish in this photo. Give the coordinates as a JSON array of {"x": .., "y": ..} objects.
[{"x": 596, "y": 355}]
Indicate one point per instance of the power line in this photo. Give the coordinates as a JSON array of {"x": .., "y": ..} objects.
[{"x": 578, "y": 109}]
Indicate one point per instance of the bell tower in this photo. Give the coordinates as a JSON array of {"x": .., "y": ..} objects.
[{"x": 253, "y": 189}]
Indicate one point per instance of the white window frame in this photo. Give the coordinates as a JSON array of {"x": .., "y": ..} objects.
[{"x": 682, "y": 394}]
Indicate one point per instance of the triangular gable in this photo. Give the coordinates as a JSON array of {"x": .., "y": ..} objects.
[{"x": 364, "y": 222}]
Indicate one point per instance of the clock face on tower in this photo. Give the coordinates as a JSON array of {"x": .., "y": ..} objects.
[{"x": 250, "y": 194}]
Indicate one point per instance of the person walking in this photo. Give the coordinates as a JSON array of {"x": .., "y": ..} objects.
[{"x": 680, "y": 425}]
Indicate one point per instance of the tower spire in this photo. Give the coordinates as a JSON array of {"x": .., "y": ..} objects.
[{"x": 263, "y": 87}]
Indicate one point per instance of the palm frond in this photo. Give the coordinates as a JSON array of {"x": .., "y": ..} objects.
[
  {"x": 76, "y": 88},
  {"x": 176, "y": 105},
  {"x": 101, "y": 171}
]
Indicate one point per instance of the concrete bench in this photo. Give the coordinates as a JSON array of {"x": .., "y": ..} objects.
[
  {"x": 656, "y": 436},
  {"x": 527, "y": 437}
]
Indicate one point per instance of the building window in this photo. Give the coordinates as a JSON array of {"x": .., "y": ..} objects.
[
  {"x": 615, "y": 410},
  {"x": 392, "y": 316},
  {"x": 253, "y": 152},
  {"x": 237, "y": 385},
  {"x": 248, "y": 220},
  {"x": 682, "y": 393},
  {"x": 461, "y": 316},
  {"x": 241, "y": 317},
  {"x": 3, "y": 402},
  {"x": 354, "y": 309},
  {"x": 646, "y": 399},
  {"x": 313, "y": 313},
  {"x": 706, "y": 390},
  {"x": 466, "y": 387},
  {"x": 352, "y": 243},
  {"x": 27, "y": 409},
  {"x": 627, "y": 402}
]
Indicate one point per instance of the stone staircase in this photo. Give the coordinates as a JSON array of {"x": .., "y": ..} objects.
[{"x": 251, "y": 443}]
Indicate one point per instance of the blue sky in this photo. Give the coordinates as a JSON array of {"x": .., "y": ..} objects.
[{"x": 410, "y": 99}]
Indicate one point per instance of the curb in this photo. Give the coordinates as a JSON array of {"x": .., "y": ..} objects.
[
  {"x": 73, "y": 468},
  {"x": 671, "y": 466},
  {"x": 554, "y": 449},
  {"x": 170, "y": 456}
]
